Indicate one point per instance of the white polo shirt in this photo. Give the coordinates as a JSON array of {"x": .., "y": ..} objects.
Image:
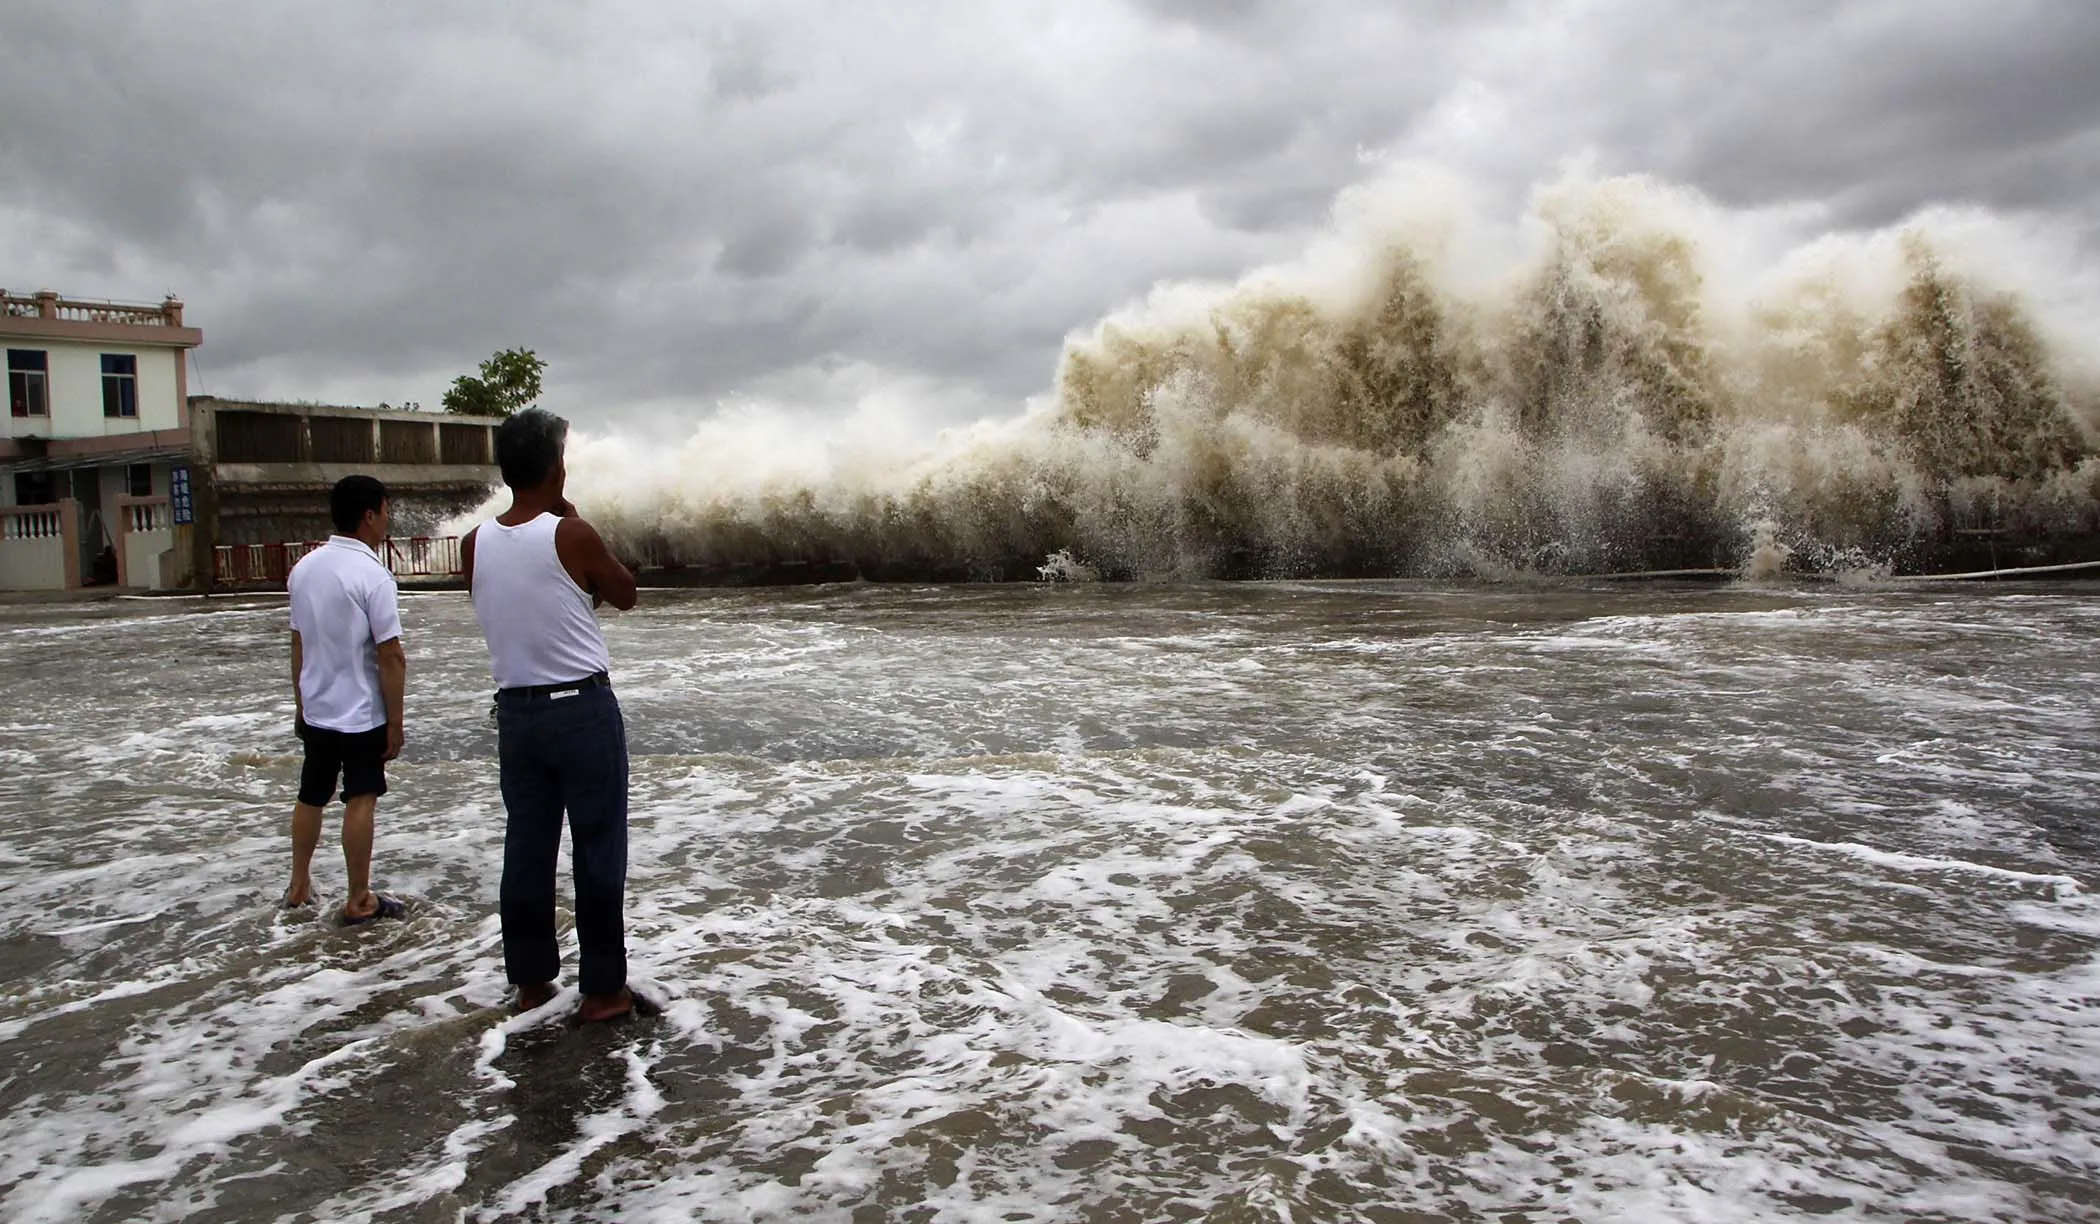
[{"x": 344, "y": 604}]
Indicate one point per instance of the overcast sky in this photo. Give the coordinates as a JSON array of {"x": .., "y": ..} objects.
[{"x": 687, "y": 205}]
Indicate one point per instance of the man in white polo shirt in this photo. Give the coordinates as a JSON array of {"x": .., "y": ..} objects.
[{"x": 348, "y": 675}]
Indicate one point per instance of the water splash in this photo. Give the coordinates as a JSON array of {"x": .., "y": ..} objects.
[
  {"x": 1613, "y": 383},
  {"x": 1062, "y": 566}
]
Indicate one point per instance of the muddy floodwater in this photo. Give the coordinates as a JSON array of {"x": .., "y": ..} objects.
[{"x": 1281, "y": 901}]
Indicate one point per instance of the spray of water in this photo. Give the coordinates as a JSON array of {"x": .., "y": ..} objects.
[{"x": 1619, "y": 380}]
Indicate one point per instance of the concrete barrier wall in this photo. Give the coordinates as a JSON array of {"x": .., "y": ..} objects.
[
  {"x": 145, "y": 532},
  {"x": 142, "y": 562},
  {"x": 37, "y": 551}
]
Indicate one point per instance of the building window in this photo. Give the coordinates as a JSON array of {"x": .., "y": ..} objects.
[
  {"x": 28, "y": 376},
  {"x": 35, "y": 489},
  {"x": 138, "y": 480},
  {"x": 120, "y": 385}
]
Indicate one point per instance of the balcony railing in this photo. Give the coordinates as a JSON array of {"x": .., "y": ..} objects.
[
  {"x": 145, "y": 514},
  {"x": 32, "y": 523},
  {"x": 45, "y": 304}
]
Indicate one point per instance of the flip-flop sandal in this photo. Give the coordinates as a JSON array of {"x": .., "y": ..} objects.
[{"x": 388, "y": 907}]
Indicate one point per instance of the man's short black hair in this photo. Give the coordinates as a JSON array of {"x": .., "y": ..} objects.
[
  {"x": 528, "y": 446},
  {"x": 352, "y": 496}
]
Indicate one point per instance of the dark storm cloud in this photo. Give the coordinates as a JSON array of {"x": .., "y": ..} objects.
[
  {"x": 1872, "y": 108},
  {"x": 679, "y": 203}
]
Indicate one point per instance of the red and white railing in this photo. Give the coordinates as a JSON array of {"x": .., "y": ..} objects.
[
  {"x": 271, "y": 564},
  {"x": 424, "y": 557}
]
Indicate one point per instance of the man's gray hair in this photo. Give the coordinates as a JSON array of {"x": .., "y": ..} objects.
[{"x": 528, "y": 446}]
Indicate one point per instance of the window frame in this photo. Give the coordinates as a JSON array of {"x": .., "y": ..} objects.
[
  {"x": 131, "y": 482},
  {"x": 21, "y": 405},
  {"x": 120, "y": 388}
]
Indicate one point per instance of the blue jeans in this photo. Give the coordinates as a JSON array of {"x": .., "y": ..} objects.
[{"x": 564, "y": 753}]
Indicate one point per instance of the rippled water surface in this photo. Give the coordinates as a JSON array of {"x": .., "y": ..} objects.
[{"x": 1256, "y": 902}]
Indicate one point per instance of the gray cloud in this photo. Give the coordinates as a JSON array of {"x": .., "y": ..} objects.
[{"x": 685, "y": 204}]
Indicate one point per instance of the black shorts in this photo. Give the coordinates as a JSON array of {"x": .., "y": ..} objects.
[{"x": 359, "y": 756}]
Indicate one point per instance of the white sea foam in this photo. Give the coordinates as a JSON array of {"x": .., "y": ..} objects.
[{"x": 2060, "y": 885}]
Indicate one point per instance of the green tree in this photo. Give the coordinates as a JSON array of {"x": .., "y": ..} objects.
[{"x": 508, "y": 382}]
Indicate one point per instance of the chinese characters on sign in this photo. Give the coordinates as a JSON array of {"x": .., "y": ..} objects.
[{"x": 179, "y": 496}]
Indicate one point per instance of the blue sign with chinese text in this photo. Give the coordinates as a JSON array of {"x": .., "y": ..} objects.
[{"x": 179, "y": 496}]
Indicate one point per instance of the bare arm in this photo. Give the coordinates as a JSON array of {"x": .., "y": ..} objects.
[
  {"x": 466, "y": 558},
  {"x": 584, "y": 554},
  {"x": 298, "y": 698},
  {"x": 393, "y": 685}
]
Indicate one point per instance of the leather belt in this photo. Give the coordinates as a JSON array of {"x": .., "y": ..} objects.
[{"x": 595, "y": 680}]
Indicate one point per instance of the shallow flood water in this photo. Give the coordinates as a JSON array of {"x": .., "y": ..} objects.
[{"x": 1285, "y": 901}]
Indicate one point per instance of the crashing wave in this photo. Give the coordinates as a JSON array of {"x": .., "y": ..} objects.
[{"x": 1598, "y": 388}]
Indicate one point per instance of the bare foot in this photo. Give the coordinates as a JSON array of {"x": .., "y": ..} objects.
[
  {"x": 533, "y": 997},
  {"x": 371, "y": 906},
  {"x": 300, "y": 894},
  {"x": 605, "y": 1007}
]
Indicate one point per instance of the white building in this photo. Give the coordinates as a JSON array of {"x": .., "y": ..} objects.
[{"x": 98, "y": 433}]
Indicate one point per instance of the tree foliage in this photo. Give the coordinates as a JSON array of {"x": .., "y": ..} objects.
[{"x": 508, "y": 381}]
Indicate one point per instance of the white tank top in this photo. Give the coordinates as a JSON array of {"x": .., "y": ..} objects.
[{"x": 537, "y": 621}]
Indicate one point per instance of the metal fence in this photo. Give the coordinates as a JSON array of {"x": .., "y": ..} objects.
[{"x": 271, "y": 564}]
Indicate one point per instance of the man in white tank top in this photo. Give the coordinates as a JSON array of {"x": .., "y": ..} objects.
[{"x": 536, "y": 572}]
